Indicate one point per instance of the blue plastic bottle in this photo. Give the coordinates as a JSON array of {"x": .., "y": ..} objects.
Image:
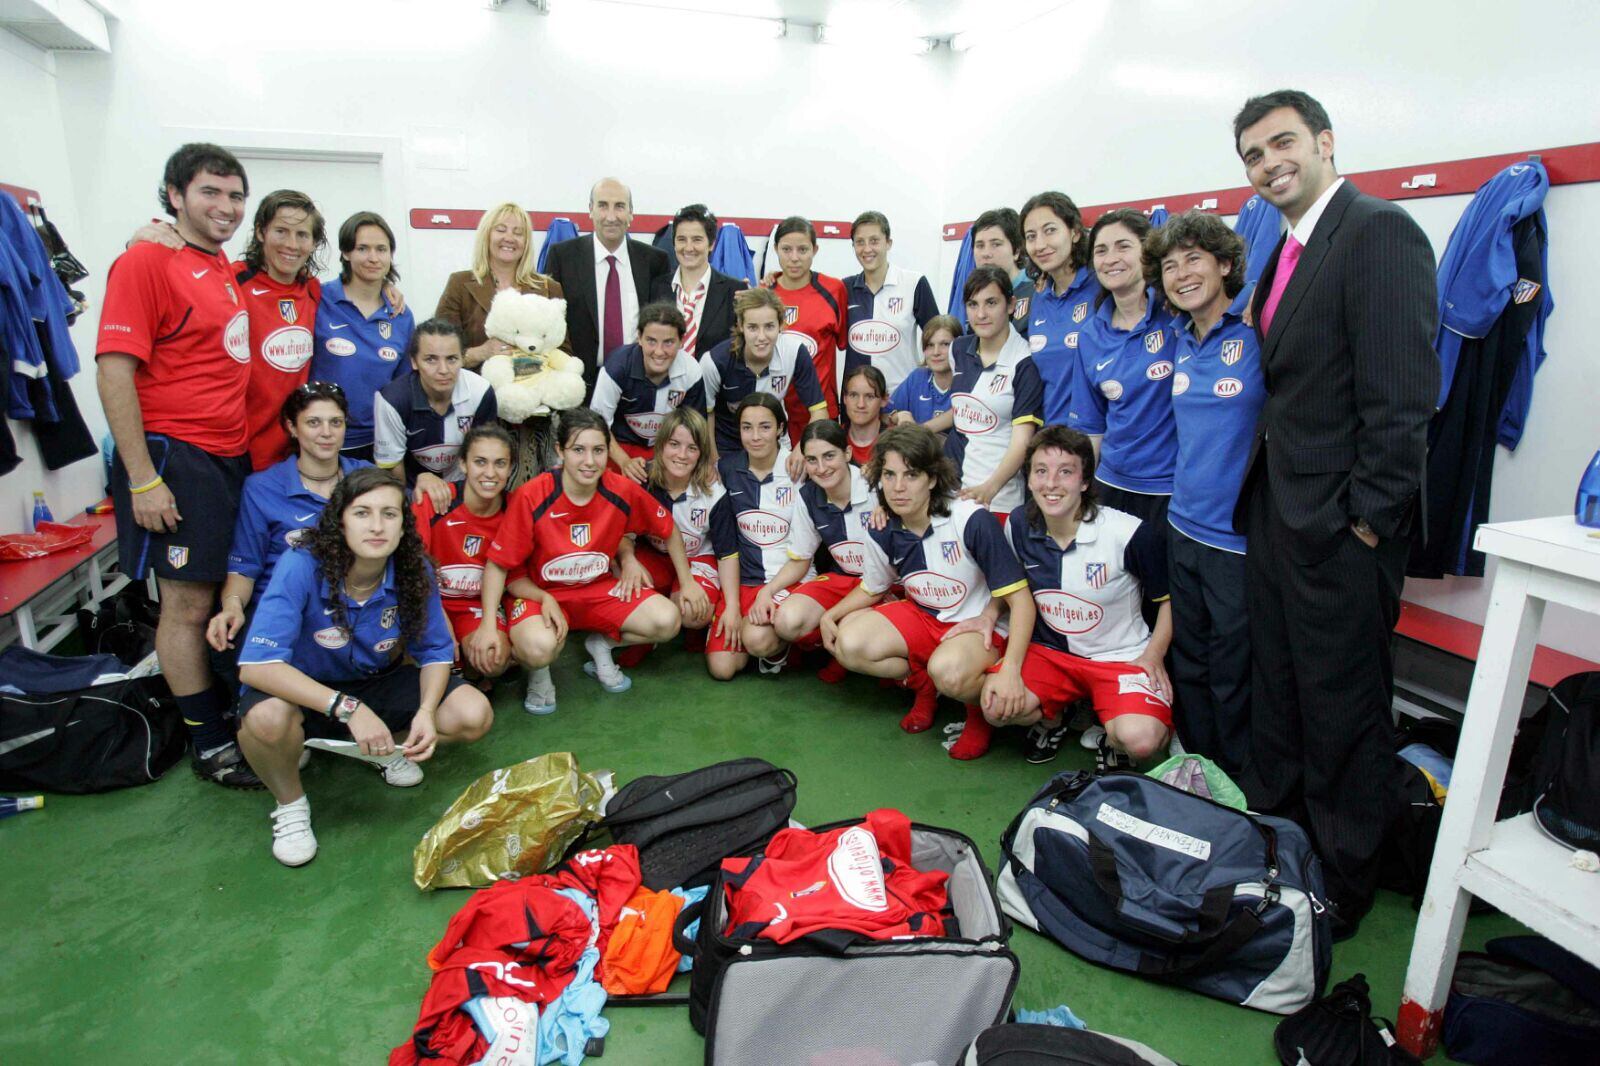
[
  {"x": 41, "y": 510},
  {"x": 16, "y": 805},
  {"x": 1587, "y": 506}
]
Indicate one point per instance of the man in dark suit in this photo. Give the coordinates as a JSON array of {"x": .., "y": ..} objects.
[
  {"x": 1346, "y": 314},
  {"x": 702, "y": 295},
  {"x": 606, "y": 277}
]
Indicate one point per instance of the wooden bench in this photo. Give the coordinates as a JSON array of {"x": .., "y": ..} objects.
[
  {"x": 1460, "y": 638},
  {"x": 39, "y": 598}
]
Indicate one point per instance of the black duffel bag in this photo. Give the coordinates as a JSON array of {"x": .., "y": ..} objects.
[{"x": 95, "y": 739}]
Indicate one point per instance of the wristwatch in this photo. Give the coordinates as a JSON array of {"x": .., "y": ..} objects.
[{"x": 345, "y": 708}]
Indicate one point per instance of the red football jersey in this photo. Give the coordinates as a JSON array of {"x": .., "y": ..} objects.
[
  {"x": 282, "y": 318},
  {"x": 458, "y": 542},
  {"x": 819, "y": 312},
  {"x": 179, "y": 313},
  {"x": 562, "y": 543},
  {"x": 858, "y": 879}
]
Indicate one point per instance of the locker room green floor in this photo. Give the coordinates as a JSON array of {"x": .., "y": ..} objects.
[{"x": 154, "y": 926}]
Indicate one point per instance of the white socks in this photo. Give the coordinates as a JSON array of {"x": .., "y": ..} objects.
[{"x": 599, "y": 647}]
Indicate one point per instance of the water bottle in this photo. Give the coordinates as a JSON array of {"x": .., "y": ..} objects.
[
  {"x": 16, "y": 805},
  {"x": 1587, "y": 507},
  {"x": 41, "y": 512}
]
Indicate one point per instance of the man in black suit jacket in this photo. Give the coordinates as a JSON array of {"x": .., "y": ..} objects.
[
  {"x": 702, "y": 295},
  {"x": 584, "y": 268},
  {"x": 1346, "y": 314}
]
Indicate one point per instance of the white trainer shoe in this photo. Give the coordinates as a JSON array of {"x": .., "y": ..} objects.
[
  {"x": 1090, "y": 740},
  {"x": 400, "y": 771},
  {"x": 293, "y": 842},
  {"x": 541, "y": 695}
]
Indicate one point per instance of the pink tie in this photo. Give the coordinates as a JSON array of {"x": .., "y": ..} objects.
[
  {"x": 611, "y": 336},
  {"x": 1288, "y": 259}
]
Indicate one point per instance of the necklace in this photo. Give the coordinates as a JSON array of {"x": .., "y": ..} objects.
[
  {"x": 319, "y": 480},
  {"x": 350, "y": 586}
]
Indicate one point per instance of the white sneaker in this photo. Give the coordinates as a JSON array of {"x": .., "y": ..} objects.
[
  {"x": 1090, "y": 740},
  {"x": 400, "y": 771},
  {"x": 541, "y": 696},
  {"x": 293, "y": 842},
  {"x": 773, "y": 665}
]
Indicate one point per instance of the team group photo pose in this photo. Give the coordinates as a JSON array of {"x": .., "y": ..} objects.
[{"x": 430, "y": 495}]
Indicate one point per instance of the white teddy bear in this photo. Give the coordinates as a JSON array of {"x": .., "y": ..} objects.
[{"x": 537, "y": 377}]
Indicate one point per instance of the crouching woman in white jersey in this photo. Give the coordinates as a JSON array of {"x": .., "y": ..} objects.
[
  {"x": 952, "y": 558},
  {"x": 1090, "y": 570},
  {"x": 326, "y": 656}
]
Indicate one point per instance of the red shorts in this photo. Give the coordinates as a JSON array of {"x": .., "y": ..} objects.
[
  {"x": 465, "y": 615},
  {"x": 638, "y": 451},
  {"x": 589, "y": 608},
  {"x": 1058, "y": 678},
  {"x": 747, "y": 599},
  {"x": 921, "y": 631},
  {"x": 659, "y": 566},
  {"x": 827, "y": 589}
]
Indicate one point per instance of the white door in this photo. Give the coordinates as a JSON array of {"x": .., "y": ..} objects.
[{"x": 339, "y": 187}]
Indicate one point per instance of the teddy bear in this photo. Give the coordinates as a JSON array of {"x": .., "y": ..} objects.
[{"x": 537, "y": 377}]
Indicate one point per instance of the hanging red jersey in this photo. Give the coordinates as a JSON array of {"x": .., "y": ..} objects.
[
  {"x": 562, "y": 543},
  {"x": 857, "y": 880},
  {"x": 458, "y": 542},
  {"x": 819, "y": 313},
  {"x": 282, "y": 318},
  {"x": 178, "y": 312}
]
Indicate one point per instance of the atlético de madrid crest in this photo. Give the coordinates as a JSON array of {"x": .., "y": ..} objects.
[
  {"x": 790, "y": 315},
  {"x": 288, "y": 311},
  {"x": 389, "y": 617},
  {"x": 580, "y": 534},
  {"x": 1232, "y": 352},
  {"x": 1080, "y": 311},
  {"x": 384, "y": 329}
]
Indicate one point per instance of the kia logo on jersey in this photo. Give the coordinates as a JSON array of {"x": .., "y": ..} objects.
[
  {"x": 288, "y": 349},
  {"x": 288, "y": 311},
  {"x": 763, "y": 528},
  {"x": 1232, "y": 352},
  {"x": 1071, "y": 340},
  {"x": 1154, "y": 341},
  {"x": 874, "y": 337},
  {"x": 1159, "y": 369},
  {"x": 1080, "y": 311},
  {"x": 973, "y": 416},
  {"x": 460, "y": 579},
  {"x": 951, "y": 552},
  {"x": 850, "y": 556},
  {"x": 1227, "y": 387},
  {"x": 934, "y": 591},
  {"x": 575, "y": 568},
  {"x": 580, "y": 534},
  {"x": 387, "y": 354},
  {"x": 1067, "y": 614}
]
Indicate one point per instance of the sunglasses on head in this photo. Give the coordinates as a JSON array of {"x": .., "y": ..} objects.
[{"x": 320, "y": 388}]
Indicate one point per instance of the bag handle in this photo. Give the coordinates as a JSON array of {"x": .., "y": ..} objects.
[
  {"x": 687, "y": 915},
  {"x": 1233, "y": 936}
]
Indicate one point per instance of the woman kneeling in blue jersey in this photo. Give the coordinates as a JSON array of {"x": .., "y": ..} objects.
[
  {"x": 326, "y": 654},
  {"x": 952, "y": 559},
  {"x": 1090, "y": 570}
]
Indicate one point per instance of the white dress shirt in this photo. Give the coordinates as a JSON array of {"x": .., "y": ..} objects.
[
  {"x": 1303, "y": 229},
  {"x": 630, "y": 296},
  {"x": 691, "y": 303}
]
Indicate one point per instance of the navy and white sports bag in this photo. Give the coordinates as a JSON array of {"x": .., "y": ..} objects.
[{"x": 1134, "y": 874}]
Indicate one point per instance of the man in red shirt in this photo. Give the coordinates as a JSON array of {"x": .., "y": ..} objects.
[{"x": 173, "y": 367}]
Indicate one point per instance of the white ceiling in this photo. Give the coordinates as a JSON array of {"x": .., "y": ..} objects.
[{"x": 916, "y": 18}]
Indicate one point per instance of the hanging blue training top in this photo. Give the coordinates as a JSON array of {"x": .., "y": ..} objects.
[
  {"x": 731, "y": 254},
  {"x": 561, "y": 229},
  {"x": 965, "y": 264},
  {"x": 1260, "y": 224},
  {"x": 1158, "y": 217},
  {"x": 1478, "y": 277}
]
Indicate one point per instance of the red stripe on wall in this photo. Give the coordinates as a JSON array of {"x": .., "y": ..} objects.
[
  {"x": 1572, "y": 164},
  {"x": 21, "y": 195},
  {"x": 451, "y": 218}
]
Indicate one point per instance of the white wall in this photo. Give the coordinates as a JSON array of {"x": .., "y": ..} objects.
[
  {"x": 1137, "y": 99},
  {"x": 35, "y": 157}
]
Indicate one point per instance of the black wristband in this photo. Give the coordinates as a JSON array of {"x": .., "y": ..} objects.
[{"x": 327, "y": 712}]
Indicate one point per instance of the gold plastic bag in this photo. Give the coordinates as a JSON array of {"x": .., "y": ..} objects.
[{"x": 510, "y": 823}]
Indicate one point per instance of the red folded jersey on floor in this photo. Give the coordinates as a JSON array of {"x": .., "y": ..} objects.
[
  {"x": 609, "y": 876},
  {"x": 856, "y": 880}
]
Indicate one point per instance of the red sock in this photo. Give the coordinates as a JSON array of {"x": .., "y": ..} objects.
[
  {"x": 694, "y": 640},
  {"x": 974, "y": 739},
  {"x": 920, "y": 717},
  {"x": 832, "y": 673},
  {"x": 632, "y": 655}
]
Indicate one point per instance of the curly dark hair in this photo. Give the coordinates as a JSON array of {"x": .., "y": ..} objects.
[
  {"x": 921, "y": 450},
  {"x": 1196, "y": 229},
  {"x": 1073, "y": 443},
  {"x": 413, "y": 576},
  {"x": 255, "y": 254}
]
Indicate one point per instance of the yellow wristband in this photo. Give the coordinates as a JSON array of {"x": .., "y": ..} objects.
[{"x": 147, "y": 486}]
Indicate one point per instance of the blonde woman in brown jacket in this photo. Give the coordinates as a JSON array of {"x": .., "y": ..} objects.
[{"x": 502, "y": 258}]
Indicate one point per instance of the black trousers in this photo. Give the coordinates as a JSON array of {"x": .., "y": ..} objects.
[
  {"x": 1321, "y": 728},
  {"x": 1210, "y": 657}
]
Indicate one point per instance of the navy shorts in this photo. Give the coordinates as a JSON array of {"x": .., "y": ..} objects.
[
  {"x": 206, "y": 488},
  {"x": 393, "y": 696}
]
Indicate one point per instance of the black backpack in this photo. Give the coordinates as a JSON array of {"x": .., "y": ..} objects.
[
  {"x": 1339, "y": 1030},
  {"x": 684, "y": 825},
  {"x": 1566, "y": 772},
  {"x": 94, "y": 739},
  {"x": 1052, "y": 1045}
]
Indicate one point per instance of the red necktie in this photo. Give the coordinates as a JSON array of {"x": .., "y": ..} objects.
[
  {"x": 1288, "y": 259},
  {"x": 611, "y": 336}
]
